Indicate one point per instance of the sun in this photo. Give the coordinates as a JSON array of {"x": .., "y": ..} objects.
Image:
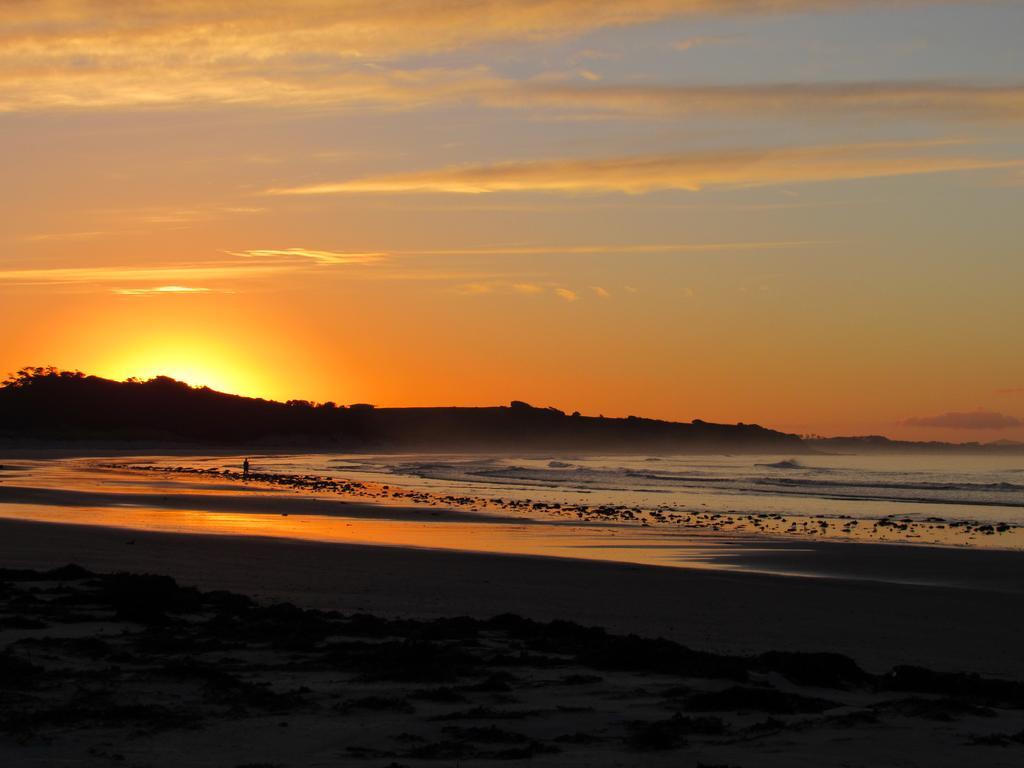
[
  {"x": 194, "y": 375},
  {"x": 198, "y": 364}
]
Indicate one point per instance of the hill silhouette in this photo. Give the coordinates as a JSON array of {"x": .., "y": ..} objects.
[{"x": 46, "y": 404}]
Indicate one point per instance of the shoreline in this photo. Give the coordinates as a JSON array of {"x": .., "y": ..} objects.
[
  {"x": 935, "y": 530},
  {"x": 309, "y": 508},
  {"x": 233, "y": 510}
]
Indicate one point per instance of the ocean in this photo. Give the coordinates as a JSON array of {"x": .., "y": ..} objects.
[{"x": 984, "y": 489}]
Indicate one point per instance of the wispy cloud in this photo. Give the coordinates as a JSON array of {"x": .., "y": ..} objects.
[
  {"x": 94, "y": 54},
  {"x": 912, "y": 99},
  {"x": 234, "y": 29},
  {"x": 530, "y": 289},
  {"x": 550, "y": 290},
  {"x": 691, "y": 171},
  {"x": 554, "y": 249},
  {"x": 120, "y": 222},
  {"x": 163, "y": 290},
  {"x": 331, "y": 258},
  {"x": 176, "y": 274},
  {"x": 171, "y": 279},
  {"x": 474, "y": 289},
  {"x": 980, "y": 419},
  {"x": 65, "y": 236},
  {"x": 265, "y": 262},
  {"x": 699, "y": 41},
  {"x": 392, "y": 87}
]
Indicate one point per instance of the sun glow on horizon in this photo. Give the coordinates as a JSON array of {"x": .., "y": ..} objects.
[
  {"x": 194, "y": 377},
  {"x": 676, "y": 209},
  {"x": 196, "y": 364}
]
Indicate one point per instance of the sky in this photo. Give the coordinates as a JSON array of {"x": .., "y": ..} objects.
[{"x": 807, "y": 214}]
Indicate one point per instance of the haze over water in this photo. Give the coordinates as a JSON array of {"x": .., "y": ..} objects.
[{"x": 955, "y": 487}]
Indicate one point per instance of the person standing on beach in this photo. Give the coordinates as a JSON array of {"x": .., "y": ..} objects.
[{"x": 245, "y": 469}]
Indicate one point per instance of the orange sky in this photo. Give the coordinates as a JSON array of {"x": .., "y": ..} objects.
[{"x": 808, "y": 218}]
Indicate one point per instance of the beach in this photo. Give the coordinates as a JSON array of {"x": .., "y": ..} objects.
[
  {"x": 877, "y": 606},
  {"x": 138, "y": 670},
  {"x": 401, "y": 553}
]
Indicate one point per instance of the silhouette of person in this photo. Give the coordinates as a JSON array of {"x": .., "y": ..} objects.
[{"x": 245, "y": 469}]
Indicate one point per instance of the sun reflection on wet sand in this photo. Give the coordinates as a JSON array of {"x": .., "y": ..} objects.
[{"x": 540, "y": 540}]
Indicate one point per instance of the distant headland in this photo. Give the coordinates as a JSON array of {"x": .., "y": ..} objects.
[{"x": 46, "y": 405}]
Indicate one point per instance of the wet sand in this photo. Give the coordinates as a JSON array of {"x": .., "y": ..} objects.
[{"x": 233, "y": 498}]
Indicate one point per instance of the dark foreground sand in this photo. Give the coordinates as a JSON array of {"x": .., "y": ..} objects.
[
  {"x": 99, "y": 670},
  {"x": 880, "y": 624}
]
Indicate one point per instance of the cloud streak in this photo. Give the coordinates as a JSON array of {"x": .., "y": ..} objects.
[
  {"x": 262, "y": 30},
  {"x": 271, "y": 262},
  {"x": 324, "y": 258},
  {"x": 566, "y": 294},
  {"x": 980, "y": 419},
  {"x": 692, "y": 171},
  {"x": 700, "y": 41},
  {"x": 386, "y": 87},
  {"x": 94, "y": 54},
  {"x": 610, "y": 249},
  {"x": 906, "y": 99},
  {"x": 526, "y": 289},
  {"x": 163, "y": 290},
  {"x": 158, "y": 274}
]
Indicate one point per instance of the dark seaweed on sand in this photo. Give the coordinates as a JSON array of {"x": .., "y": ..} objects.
[
  {"x": 672, "y": 732},
  {"x": 750, "y": 699},
  {"x": 458, "y": 689}
]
